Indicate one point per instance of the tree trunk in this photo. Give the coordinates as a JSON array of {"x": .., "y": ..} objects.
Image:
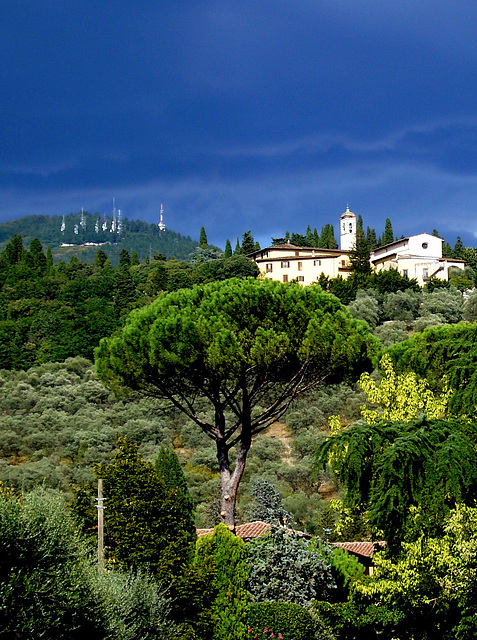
[{"x": 230, "y": 481}]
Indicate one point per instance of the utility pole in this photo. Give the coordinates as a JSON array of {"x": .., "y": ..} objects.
[{"x": 100, "y": 507}]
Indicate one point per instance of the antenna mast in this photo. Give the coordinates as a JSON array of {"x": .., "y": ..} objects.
[{"x": 161, "y": 225}]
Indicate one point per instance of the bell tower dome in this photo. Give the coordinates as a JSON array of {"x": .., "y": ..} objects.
[{"x": 347, "y": 230}]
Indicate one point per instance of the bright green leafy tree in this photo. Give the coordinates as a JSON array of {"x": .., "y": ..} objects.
[
  {"x": 406, "y": 475},
  {"x": 400, "y": 397},
  {"x": 247, "y": 347},
  {"x": 444, "y": 354}
]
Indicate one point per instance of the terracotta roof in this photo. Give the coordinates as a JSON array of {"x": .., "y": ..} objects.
[
  {"x": 365, "y": 549},
  {"x": 251, "y": 530},
  {"x": 246, "y": 531}
]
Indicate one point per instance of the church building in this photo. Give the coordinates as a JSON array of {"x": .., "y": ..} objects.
[{"x": 418, "y": 256}]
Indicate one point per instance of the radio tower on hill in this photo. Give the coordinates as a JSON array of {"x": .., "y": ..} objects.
[{"x": 161, "y": 225}]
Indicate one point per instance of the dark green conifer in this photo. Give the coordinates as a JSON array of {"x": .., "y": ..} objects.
[
  {"x": 203, "y": 239},
  {"x": 388, "y": 235}
]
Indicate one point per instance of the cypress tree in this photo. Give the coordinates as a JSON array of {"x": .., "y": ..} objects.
[
  {"x": 371, "y": 238},
  {"x": 248, "y": 243},
  {"x": 332, "y": 244},
  {"x": 458, "y": 249},
  {"x": 359, "y": 256},
  {"x": 203, "y": 239},
  {"x": 124, "y": 259},
  {"x": 316, "y": 238},
  {"x": 228, "y": 249},
  {"x": 388, "y": 235}
]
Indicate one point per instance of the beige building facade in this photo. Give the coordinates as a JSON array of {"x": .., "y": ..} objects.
[{"x": 286, "y": 262}]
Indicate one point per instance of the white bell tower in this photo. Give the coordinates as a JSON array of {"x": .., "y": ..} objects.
[{"x": 347, "y": 230}]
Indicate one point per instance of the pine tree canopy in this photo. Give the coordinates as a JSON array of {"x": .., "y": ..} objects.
[{"x": 246, "y": 346}]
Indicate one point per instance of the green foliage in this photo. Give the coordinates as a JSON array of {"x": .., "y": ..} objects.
[
  {"x": 228, "y": 249},
  {"x": 146, "y": 525},
  {"x": 248, "y": 243},
  {"x": 469, "y": 312},
  {"x": 267, "y": 504},
  {"x": 447, "y": 303},
  {"x": 391, "y": 281},
  {"x": 285, "y": 566},
  {"x": 347, "y": 569},
  {"x": 235, "y": 343},
  {"x": 46, "y": 585},
  {"x": 361, "y": 618},
  {"x": 170, "y": 472},
  {"x": 457, "y": 251},
  {"x": 228, "y": 555},
  {"x": 327, "y": 238},
  {"x": 57, "y": 421},
  {"x": 405, "y": 475},
  {"x": 400, "y": 397},
  {"x": 388, "y": 235},
  {"x": 427, "y": 591},
  {"x": 445, "y": 353},
  {"x": 425, "y": 322},
  {"x": 49, "y": 583},
  {"x": 286, "y": 620},
  {"x": 359, "y": 257},
  {"x": 203, "y": 243},
  {"x": 365, "y": 307},
  {"x": 402, "y": 305},
  {"x": 135, "y": 607},
  {"x": 391, "y": 333}
]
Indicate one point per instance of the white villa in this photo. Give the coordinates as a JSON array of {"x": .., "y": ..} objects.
[{"x": 418, "y": 256}]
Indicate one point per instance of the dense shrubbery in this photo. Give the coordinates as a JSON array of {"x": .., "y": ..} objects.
[
  {"x": 286, "y": 620},
  {"x": 49, "y": 584}
]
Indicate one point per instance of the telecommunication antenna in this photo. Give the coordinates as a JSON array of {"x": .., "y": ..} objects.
[
  {"x": 161, "y": 225},
  {"x": 113, "y": 223}
]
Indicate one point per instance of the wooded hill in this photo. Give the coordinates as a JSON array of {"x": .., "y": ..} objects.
[{"x": 136, "y": 235}]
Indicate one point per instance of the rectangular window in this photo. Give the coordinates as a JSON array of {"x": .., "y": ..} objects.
[
  {"x": 285, "y": 278},
  {"x": 269, "y": 267},
  {"x": 297, "y": 253},
  {"x": 404, "y": 273},
  {"x": 317, "y": 263},
  {"x": 300, "y": 266},
  {"x": 285, "y": 264},
  {"x": 425, "y": 274},
  {"x": 301, "y": 278},
  {"x": 343, "y": 263}
]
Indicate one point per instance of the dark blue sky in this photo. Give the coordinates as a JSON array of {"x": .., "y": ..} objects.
[{"x": 255, "y": 115}]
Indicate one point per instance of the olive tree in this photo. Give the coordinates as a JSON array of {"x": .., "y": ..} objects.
[{"x": 247, "y": 347}]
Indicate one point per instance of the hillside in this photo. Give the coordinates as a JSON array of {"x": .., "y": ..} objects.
[{"x": 135, "y": 235}]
